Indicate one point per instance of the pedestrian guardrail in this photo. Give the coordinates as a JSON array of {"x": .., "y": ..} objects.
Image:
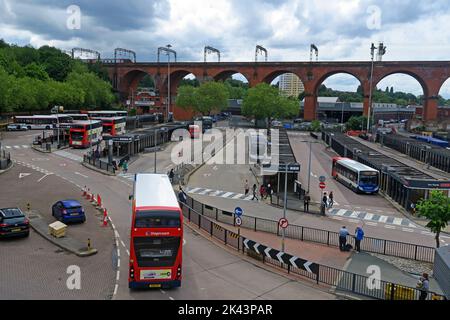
[
  {"x": 99, "y": 164},
  {"x": 337, "y": 279},
  {"x": 330, "y": 238}
]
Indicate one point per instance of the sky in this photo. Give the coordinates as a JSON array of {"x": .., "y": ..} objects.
[{"x": 343, "y": 30}]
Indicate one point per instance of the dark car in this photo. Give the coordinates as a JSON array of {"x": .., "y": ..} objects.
[
  {"x": 68, "y": 211},
  {"x": 13, "y": 223}
]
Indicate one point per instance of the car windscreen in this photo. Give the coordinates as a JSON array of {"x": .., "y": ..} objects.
[
  {"x": 156, "y": 252},
  {"x": 157, "y": 219},
  {"x": 11, "y": 213}
]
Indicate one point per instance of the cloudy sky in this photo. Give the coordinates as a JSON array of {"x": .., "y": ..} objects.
[{"x": 341, "y": 29}]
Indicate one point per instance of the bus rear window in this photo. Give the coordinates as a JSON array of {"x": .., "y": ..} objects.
[
  {"x": 156, "y": 252},
  {"x": 157, "y": 219}
]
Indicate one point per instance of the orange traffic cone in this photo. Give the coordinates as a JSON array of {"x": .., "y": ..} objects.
[
  {"x": 99, "y": 201},
  {"x": 105, "y": 218}
]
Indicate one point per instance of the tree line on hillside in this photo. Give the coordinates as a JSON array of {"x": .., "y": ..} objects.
[
  {"x": 38, "y": 79},
  {"x": 387, "y": 95}
]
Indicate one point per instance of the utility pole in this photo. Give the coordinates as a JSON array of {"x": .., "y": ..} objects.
[
  {"x": 283, "y": 231},
  {"x": 372, "y": 53}
]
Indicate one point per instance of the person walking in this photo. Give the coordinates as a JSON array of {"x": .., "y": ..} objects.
[
  {"x": 182, "y": 197},
  {"x": 125, "y": 166},
  {"x": 306, "y": 201},
  {"x": 246, "y": 188},
  {"x": 359, "y": 235},
  {"x": 325, "y": 199},
  {"x": 254, "y": 192},
  {"x": 171, "y": 175},
  {"x": 424, "y": 286},
  {"x": 343, "y": 233},
  {"x": 269, "y": 192},
  {"x": 262, "y": 192},
  {"x": 330, "y": 200}
]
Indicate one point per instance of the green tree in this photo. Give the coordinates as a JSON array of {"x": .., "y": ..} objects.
[
  {"x": 264, "y": 102},
  {"x": 208, "y": 97},
  {"x": 35, "y": 71},
  {"x": 315, "y": 125},
  {"x": 437, "y": 209},
  {"x": 356, "y": 123}
]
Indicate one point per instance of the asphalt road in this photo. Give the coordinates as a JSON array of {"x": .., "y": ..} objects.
[{"x": 209, "y": 271}]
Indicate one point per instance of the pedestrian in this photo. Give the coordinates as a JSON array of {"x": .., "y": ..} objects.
[
  {"x": 325, "y": 199},
  {"x": 424, "y": 286},
  {"x": 171, "y": 175},
  {"x": 359, "y": 235},
  {"x": 246, "y": 187},
  {"x": 343, "y": 233},
  {"x": 262, "y": 191},
  {"x": 125, "y": 166},
  {"x": 306, "y": 201},
  {"x": 269, "y": 192},
  {"x": 330, "y": 200},
  {"x": 254, "y": 192},
  {"x": 182, "y": 197}
]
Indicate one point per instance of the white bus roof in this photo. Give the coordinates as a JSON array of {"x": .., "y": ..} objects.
[
  {"x": 352, "y": 164},
  {"x": 84, "y": 122},
  {"x": 154, "y": 190},
  {"x": 107, "y": 112},
  {"x": 108, "y": 118},
  {"x": 51, "y": 116}
]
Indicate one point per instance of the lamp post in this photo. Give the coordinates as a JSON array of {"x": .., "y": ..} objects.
[
  {"x": 168, "y": 81},
  {"x": 372, "y": 54},
  {"x": 283, "y": 230}
]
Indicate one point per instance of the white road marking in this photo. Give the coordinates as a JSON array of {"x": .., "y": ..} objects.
[
  {"x": 117, "y": 275},
  {"x": 389, "y": 226},
  {"x": 204, "y": 191},
  {"x": 426, "y": 232},
  {"x": 337, "y": 218},
  {"x": 397, "y": 221},
  {"x": 227, "y": 194},
  {"x": 171, "y": 298},
  {"x": 8, "y": 147},
  {"x": 372, "y": 223},
  {"x": 81, "y": 175},
  {"x": 383, "y": 219},
  {"x": 23, "y": 175},
  {"x": 47, "y": 174},
  {"x": 115, "y": 289},
  {"x": 408, "y": 230},
  {"x": 368, "y": 216}
]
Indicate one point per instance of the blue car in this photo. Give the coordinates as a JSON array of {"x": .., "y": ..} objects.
[{"x": 68, "y": 211}]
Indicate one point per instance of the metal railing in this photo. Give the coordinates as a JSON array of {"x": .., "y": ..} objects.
[
  {"x": 99, "y": 164},
  {"x": 339, "y": 280},
  {"x": 330, "y": 238}
]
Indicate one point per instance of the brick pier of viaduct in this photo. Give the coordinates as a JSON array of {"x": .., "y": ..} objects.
[{"x": 430, "y": 74}]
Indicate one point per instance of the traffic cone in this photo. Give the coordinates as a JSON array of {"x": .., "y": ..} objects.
[
  {"x": 99, "y": 201},
  {"x": 105, "y": 218},
  {"x": 84, "y": 191},
  {"x": 87, "y": 194}
]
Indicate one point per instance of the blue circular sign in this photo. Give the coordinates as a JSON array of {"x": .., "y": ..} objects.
[{"x": 238, "y": 211}]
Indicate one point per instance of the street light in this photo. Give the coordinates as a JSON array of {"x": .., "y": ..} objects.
[
  {"x": 168, "y": 81},
  {"x": 372, "y": 54}
]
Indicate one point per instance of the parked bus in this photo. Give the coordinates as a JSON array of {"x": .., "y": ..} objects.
[
  {"x": 156, "y": 234},
  {"x": 112, "y": 126},
  {"x": 78, "y": 116},
  {"x": 106, "y": 114},
  {"x": 40, "y": 122},
  {"x": 355, "y": 175},
  {"x": 85, "y": 133}
]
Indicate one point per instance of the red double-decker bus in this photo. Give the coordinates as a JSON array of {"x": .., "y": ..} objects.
[
  {"x": 82, "y": 134},
  {"x": 156, "y": 234},
  {"x": 112, "y": 126}
]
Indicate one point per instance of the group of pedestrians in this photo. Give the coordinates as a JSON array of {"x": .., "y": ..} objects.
[
  {"x": 328, "y": 200},
  {"x": 343, "y": 234},
  {"x": 265, "y": 191}
]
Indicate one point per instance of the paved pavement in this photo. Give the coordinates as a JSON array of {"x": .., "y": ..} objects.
[{"x": 34, "y": 268}]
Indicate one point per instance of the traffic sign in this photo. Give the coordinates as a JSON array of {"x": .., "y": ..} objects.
[
  {"x": 322, "y": 185},
  {"x": 238, "y": 211},
  {"x": 283, "y": 223},
  {"x": 322, "y": 179},
  {"x": 238, "y": 221}
]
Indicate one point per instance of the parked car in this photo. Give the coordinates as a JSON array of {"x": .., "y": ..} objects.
[
  {"x": 276, "y": 123},
  {"x": 16, "y": 127},
  {"x": 13, "y": 223},
  {"x": 68, "y": 211}
]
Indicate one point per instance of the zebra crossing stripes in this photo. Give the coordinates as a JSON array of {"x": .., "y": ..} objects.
[
  {"x": 218, "y": 193},
  {"x": 128, "y": 176},
  {"x": 23, "y": 146},
  {"x": 372, "y": 217},
  {"x": 68, "y": 155}
]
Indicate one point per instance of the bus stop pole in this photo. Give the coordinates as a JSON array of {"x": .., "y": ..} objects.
[{"x": 284, "y": 206}]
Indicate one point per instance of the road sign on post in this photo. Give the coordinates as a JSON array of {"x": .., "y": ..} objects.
[
  {"x": 283, "y": 223},
  {"x": 238, "y": 212},
  {"x": 322, "y": 179},
  {"x": 322, "y": 185},
  {"x": 238, "y": 221}
]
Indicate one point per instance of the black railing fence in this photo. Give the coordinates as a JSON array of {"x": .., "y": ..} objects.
[
  {"x": 374, "y": 245},
  {"x": 339, "y": 280},
  {"x": 96, "y": 162}
]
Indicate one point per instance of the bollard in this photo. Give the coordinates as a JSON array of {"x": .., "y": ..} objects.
[
  {"x": 28, "y": 206},
  {"x": 84, "y": 191},
  {"x": 89, "y": 244}
]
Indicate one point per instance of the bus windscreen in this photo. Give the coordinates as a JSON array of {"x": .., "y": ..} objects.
[
  {"x": 368, "y": 178},
  {"x": 156, "y": 252},
  {"x": 157, "y": 219}
]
